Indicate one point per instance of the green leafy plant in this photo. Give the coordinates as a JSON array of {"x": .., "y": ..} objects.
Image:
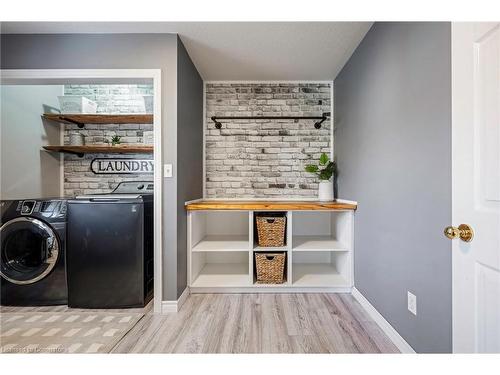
[
  {"x": 115, "y": 140},
  {"x": 325, "y": 170}
]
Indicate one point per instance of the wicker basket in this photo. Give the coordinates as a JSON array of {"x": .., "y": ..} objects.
[
  {"x": 270, "y": 267},
  {"x": 271, "y": 230}
]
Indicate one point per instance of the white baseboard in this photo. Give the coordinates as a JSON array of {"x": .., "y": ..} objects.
[
  {"x": 270, "y": 289},
  {"x": 389, "y": 330},
  {"x": 174, "y": 306}
]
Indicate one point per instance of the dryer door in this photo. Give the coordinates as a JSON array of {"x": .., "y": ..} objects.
[{"x": 30, "y": 250}]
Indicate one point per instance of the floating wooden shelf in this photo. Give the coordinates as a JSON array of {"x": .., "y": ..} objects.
[
  {"x": 96, "y": 149},
  {"x": 81, "y": 119}
]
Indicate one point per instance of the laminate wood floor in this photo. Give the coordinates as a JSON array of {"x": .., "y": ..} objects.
[
  {"x": 256, "y": 323},
  {"x": 260, "y": 323}
]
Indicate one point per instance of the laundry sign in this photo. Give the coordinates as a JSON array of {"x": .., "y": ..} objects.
[{"x": 122, "y": 166}]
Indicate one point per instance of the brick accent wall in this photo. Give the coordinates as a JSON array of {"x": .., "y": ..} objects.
[
  {"x": 78, "y": 178},
  {"x": 265, "y": 158}
]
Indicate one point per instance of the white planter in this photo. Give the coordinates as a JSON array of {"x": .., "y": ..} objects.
[
  {"x": 77, "y": 104},
  {"x": 325, "y": 191}
]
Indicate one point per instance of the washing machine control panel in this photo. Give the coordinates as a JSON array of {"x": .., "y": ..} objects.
[
  {"x": 49, "y": 208},
  {"x": 27, "y": 207}
]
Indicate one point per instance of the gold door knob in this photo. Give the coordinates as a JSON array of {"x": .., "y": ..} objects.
[{"x": 464, "y": 232}]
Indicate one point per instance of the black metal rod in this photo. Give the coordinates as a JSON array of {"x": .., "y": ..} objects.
[
  {"x": 317, "y": 125},
  {"x": 267, "y": 118}
]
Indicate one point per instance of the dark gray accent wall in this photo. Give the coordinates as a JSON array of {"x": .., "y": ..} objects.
[
  {"x": 393, "y": 147},
  {"x": 189, "y": 151},
  {"x": 118, "y": 51}
]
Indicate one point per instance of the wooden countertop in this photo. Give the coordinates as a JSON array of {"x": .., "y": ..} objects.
[{"x": 269, "y": 205}]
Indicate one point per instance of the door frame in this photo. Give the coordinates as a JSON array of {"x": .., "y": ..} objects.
[{"x": 58, "y": 76}]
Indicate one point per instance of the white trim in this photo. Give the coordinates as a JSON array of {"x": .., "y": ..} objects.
[
  {"x": 14, "y": 76},
  {"x": 158, "y": 192},
  {"x": 204, "y": 192},
  {"x": 284, "y": 288},
  {"x": 332, "y": 123},
  {"x": 8, "y": 75},
  {"x": 175, "y": 306},
  {"x": 189, "y": 246},
  {"x": 389, "y": 330},
  {"x": 61, "y": 156}
]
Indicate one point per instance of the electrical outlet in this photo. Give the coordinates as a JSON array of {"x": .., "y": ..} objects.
[{"x": 412, "y": 303}]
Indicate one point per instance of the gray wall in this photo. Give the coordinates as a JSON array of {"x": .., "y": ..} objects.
[
  {"x": 189, "y": 151},
  {"x": 116, "y": 51},
  {"x": 26, "y": 170},
  {"x": 393, "y": 146}
]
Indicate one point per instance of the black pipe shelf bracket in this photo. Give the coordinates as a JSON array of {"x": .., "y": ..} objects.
[
  {"x": 317, "y": 124},
  {"x": 80, "y": 125}
]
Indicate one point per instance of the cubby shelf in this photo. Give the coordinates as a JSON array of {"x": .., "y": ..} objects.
[
  {"x": 222, "y": 243},
  {"x": 228, "y": 274},
  {"x": 316, "y": 275},
  {"x": 317, "y": 243}
]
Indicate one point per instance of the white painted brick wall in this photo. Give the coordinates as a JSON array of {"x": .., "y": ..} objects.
[
  {"x": 265, "y": 158},
  {"x": 78, "y": 178}
]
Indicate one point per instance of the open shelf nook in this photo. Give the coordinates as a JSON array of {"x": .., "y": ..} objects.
[
  {"x": 255, "y": 238},
  {"x": 220, "y": 269},
  {"x": 222, "y": 246},
  {"x": 321, "y": 268},
  {"x": 321, "y": 231},
  {"x": 220, "y": 231}
]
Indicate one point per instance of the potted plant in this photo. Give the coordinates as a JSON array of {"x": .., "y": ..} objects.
[
  {"x": 115, "y": 140},
  {"x": 325, "y": 171}
]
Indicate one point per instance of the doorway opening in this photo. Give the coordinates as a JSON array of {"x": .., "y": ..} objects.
[{"x": 84, "y": 151}]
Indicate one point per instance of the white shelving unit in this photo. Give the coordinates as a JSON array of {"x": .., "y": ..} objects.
[{"x": 222, "y": 243}]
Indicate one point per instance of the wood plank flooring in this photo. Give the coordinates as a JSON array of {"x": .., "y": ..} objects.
[
  {"x": 260, "y": 323},
  {"x": 256, "y": 323}
]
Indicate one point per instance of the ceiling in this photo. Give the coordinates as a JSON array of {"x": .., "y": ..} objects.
[{"x": 240, "y": 50}]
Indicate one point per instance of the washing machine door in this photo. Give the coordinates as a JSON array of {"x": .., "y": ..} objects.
[{"x": 30, "y": 250}]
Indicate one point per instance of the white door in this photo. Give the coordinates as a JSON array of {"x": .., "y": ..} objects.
[{"x": 476, "y": 185}]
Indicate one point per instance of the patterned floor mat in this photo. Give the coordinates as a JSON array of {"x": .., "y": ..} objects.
[{"x": 64, "y": 332}]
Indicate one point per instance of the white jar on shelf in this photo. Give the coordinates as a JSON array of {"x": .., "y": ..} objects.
[{"x": 76, "y": 139}]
